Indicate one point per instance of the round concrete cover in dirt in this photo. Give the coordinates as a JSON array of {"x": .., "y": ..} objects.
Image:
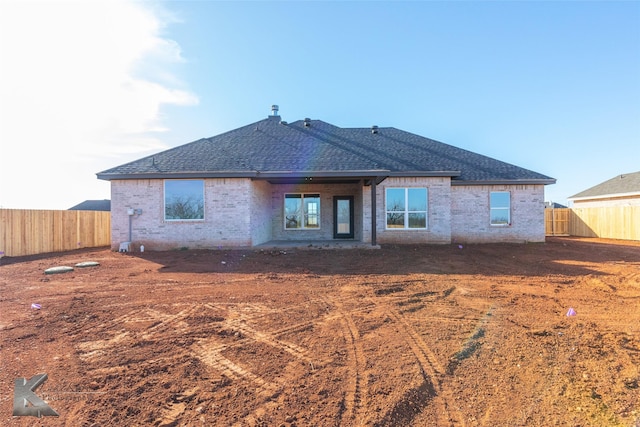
[
  {"x": 87, "y": 264},
  {"x": 57, "y": 270}
]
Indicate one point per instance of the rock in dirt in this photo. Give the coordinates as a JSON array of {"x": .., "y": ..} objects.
[
  {"x": 87, "y": 264},
  {"x": 58, "y": 270}
]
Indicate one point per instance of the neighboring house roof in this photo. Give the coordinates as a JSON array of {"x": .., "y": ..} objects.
[
  {"x": 92, "y": 205},
  {"x": 554, "y": 205},
  {"x": 272, "y": 149},
  {"x": 620, "y": 186}
]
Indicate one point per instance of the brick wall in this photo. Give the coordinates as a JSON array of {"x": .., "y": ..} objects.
[
  {"x": 261, "y": 212},
  {"x": 470, "y": 214},
  {"x": 227, "y": 216},
  {"x": 438, "y": 219},
  {"x": 241, "y": 213}
]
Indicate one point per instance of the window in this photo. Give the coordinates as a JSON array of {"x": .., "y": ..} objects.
[
  {"x": 406, "y": 208},
  {"x": 184, "y": 199},
  {"x": 500, "y": 208},
  {"x": 301, "y": 211}
]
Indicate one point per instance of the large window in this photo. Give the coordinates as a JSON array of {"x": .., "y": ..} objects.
[
  {"x": 301, "y": 211},
  {"x": 406, "y": 208},
  {"x": 500, "y": 208},
  {"x": 183, "y": 199}
]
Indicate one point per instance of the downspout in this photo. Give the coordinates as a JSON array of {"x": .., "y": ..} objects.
[{"x": 373, "y": 211}]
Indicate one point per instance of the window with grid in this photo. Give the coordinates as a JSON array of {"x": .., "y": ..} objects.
[
  {"x": 301, "y": 211},
  {"x": 406, "y": 208}
]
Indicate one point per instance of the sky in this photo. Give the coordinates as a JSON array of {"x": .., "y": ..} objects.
[{"x": 551, "y": 86}]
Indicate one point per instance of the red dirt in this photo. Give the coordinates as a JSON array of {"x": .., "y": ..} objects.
[{"x": 405, "y": 335}]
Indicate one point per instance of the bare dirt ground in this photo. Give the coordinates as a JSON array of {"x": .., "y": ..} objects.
[{"x": 401, "y": 336}]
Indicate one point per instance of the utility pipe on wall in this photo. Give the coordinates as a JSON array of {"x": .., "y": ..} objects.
[{"x": 131, "y": 212}]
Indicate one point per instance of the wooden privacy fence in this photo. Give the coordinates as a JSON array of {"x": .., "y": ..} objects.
[
  {"x": 28, "y": 232},
  {"x": 556, "y": 222},
  {"x": 615, "y": 222}
]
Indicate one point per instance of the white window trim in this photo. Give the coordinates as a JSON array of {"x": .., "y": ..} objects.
[
  {"x": 491, "y": 208},
  {"x": 164, "y": 202},
  {"x": 303, "y": 228},
  {"x": 406, "y": 211}
]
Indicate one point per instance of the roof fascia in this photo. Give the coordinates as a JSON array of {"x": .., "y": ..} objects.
[
  {"x": 322, "y": 174},
  {"x": 451, "y": 174},
  {"x": 605, "y": 196},
  {"x": 505, "y": 182},
  {"x": 249, "y": 174},
  {"x": 179, "y": 175}
]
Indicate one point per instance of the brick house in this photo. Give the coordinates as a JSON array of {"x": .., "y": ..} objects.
[{"x": 313, "y": 181}]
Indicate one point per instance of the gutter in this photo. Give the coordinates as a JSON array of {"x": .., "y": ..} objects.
[
  {"x": 380, "y": 174},
  {"x": 547, "y": 181},
  {"x": 275, "y": 174}
]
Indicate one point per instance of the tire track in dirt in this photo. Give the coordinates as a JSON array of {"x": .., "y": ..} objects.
[
  {"x": 431, "y": 389},
  {"x": 271, "y": 402},
  {"x": 175, "y": 322},
  {"x": 270, "y": 339},
  {"x": 92, "y": 350},
  {"x": 89, "y": 351},
  {"x": 211, "y": 352},
  {"x": 151, "y": 365},
  {"x": 240, "y": 325},
  {"x": 212, "y": 356},
  {"x": 173, "y": 410},
  {"x": 414, "y": 400},
  {"x": 355, "y": 396}
]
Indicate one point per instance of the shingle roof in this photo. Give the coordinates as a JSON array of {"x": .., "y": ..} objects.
[
  {"x": 92, "y": 205},
  {"x": 272, "y": 148},
  {"x": 621, "y": 184}
]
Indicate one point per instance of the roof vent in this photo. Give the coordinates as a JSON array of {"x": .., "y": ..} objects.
[
  {"x": 282, "y": 122},
  {"x": 307, "y": 122},
  {"x": 274, "y": 110},
  {"x": 374, "y": 129}
]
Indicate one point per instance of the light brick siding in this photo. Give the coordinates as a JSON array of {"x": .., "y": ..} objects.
[
  {"x": 438, "y": 219},
  {"x": 226, "y": 221},
  {"x": 327, "y": 192},
  {"x": 470, "y": 214},
  {"x": 240, "y": 212},
  {"x": 261, "y": 212}
]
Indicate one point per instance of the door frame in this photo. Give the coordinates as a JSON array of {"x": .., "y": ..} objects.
[{"x": 337, "y": 235}]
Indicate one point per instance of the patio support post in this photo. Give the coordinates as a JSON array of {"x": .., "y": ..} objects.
[{"x": 373, "y": 211}]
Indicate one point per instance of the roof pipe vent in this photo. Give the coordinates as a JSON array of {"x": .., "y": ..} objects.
[
  {"x": 307, "y": 122},
  {"x": 274, "y": 110},
  {"x": 374, "y": 129}
]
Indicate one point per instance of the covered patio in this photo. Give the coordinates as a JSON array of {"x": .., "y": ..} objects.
[{"x": 316, "y": 244}]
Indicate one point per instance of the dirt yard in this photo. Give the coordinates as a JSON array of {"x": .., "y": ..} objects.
[{"x": 476, "y": 335}]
